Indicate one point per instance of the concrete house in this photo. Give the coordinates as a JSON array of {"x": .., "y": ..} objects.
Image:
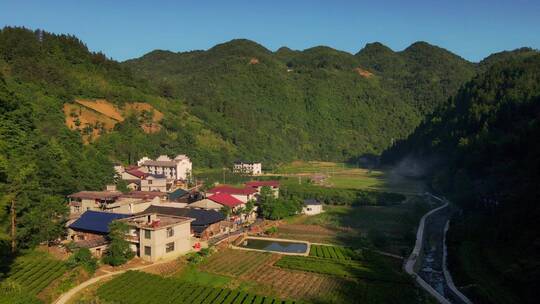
[
  {"x": 113, "y": 201},
  {"x": 154, "y": 236},
  {"x": 91, "y": 200},
  {"x": 249, "y": 168},
  {"x": 312, "y": 207},
  {"x": 242, "y": 194},
  {"x": 178, "y": 168},
  {"x": 207, "y": 223},
  {"x": 154, "y": 182}
]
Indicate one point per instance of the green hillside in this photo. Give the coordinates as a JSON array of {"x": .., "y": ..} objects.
[
  {"x": 41, "y": 160},
  {"x": 319, "y": 103},
  {"x": 485, "y": 141}
]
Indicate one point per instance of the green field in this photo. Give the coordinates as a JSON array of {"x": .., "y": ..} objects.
[
  {"x": 341, "y": 175},
  {"x": 137, "y": 287},
  {"x": 371, "y": 278},
  {"x": 29, "y": 275},
  {"x": 388, "y": 228},
  {"x": 192, "y": 275},
  {"x": 334, "y": 252}
]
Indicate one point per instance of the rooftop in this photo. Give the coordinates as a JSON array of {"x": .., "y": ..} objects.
[
  {"x": 96, "y": 221},
  {"x": 312, "y": 201},
  {"x": 205, "y": 204},
  {"x": 178, "y": 193},
  {"x": 232, "y": 190},
  {"x": 92, "y": 243},
  {"x": 137, "y": 173},
  {"x": 144, "y": 194},
  {"x": 159, "y": 163},
  {"x": 225, "y": 199},
  {"x": 99, "y": 195},
  {"x": 202, "y": 217},
  {"x": 156, "y": 221}
]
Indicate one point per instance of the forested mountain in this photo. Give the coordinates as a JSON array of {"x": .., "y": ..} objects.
[
  {"x": 319, "y": 103},
  {"x": 236, "y": 100},
  {"x": 486, "y": 142}
]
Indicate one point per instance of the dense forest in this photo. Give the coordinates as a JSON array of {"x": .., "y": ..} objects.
[
  {"x": 485, "y": 147},
  {"x": 319, "y": 103}
]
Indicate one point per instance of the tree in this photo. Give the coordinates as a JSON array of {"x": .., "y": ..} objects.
[
  {"x": 226, "y": 211},
  {"x": 83, "y": 257},
  {"x": 118, "y": 252}
]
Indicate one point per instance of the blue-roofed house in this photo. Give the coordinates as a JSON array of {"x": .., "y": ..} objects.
[{"x": 91, "y": 228}]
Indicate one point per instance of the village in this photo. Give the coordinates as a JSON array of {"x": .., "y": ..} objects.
[{"x": 168, "y": 214}]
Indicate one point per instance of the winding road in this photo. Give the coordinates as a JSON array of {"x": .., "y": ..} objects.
[{"x": 427, "y": 262}]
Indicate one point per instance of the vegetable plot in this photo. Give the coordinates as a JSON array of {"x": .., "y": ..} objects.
[{"x": 138, "y": 287}]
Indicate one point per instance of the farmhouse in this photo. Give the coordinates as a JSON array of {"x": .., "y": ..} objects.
[
  {"x": 154, "y": 182},
  {"x": 250, "y": 168},
  {"x": 113, "y": 201},
  {"x": 178, "y": 168},
  {"x": 242, "y": 194},
  {"x": 90, "y": 230},
  {"x": 312, "y": 207},
  {"x": 91, "y": 200},
  {"x": 206, "y": 224},
  {"x": 154, "y": 236},
  {"x": 257, "y": 185}
]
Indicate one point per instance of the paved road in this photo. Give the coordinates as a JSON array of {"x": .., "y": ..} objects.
[{"x": 427, "y": 263}]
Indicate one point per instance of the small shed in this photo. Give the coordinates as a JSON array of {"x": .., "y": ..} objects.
[{"x": 312, "y": 206}]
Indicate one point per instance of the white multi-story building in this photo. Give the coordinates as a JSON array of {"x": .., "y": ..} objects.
[
  {"x": 178, "y": 168},
  {"x": 247, "y": 168}
]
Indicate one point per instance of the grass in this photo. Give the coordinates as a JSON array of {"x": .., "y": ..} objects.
[
  {"x": 388, "y": 228},
  {"x": 341, "y": 175},
  {"x": 192, "y": 275}
]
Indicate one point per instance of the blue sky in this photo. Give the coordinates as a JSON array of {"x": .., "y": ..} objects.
[{"x": 126, "y": 29}]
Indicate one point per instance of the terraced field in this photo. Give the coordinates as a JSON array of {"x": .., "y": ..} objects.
[
  {"x": 259, "y": 267},
  {"x": 34, "y": 275},
  {"x": 28, "y": 276},
  {"x": 235, "y": 263},
  {"x": 135, "y": 287},
  {"x": 334, "y": 252}
]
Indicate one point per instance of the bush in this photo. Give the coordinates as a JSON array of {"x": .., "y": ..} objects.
[{"x": 83, "y": 257}]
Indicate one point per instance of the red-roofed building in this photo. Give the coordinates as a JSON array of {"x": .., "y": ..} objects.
[
  {"x": 257, "y": 185},
  {"x": 243, "y": 194},
  {"x": 226, "y": 200},
  {"x": 136, "y": 173},
  {"x": 235, "y": 204}
]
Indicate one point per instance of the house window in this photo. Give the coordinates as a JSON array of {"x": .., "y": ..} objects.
[
  {"x": 170, "y": 232},
  {"x": 147, "y": 250},
  {"x": 149, "y": 181},
  {"x": 77, "y": 209},
  {"x": 169, "y": 247},
  {"x": 309, "y": 209},
  {"x": 147, "y": 234}
]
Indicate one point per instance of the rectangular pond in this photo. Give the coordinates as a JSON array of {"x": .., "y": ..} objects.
[{"x": 274, "y": 245}]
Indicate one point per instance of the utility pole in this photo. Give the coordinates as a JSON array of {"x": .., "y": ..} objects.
[{"x": 13, "y": 227}]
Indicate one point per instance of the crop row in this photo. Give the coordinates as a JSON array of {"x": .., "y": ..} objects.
[
  {"x": 334, "y": 252},
  {"x": 135, "y": 287},
  {"x": 36, "y": 274}
]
